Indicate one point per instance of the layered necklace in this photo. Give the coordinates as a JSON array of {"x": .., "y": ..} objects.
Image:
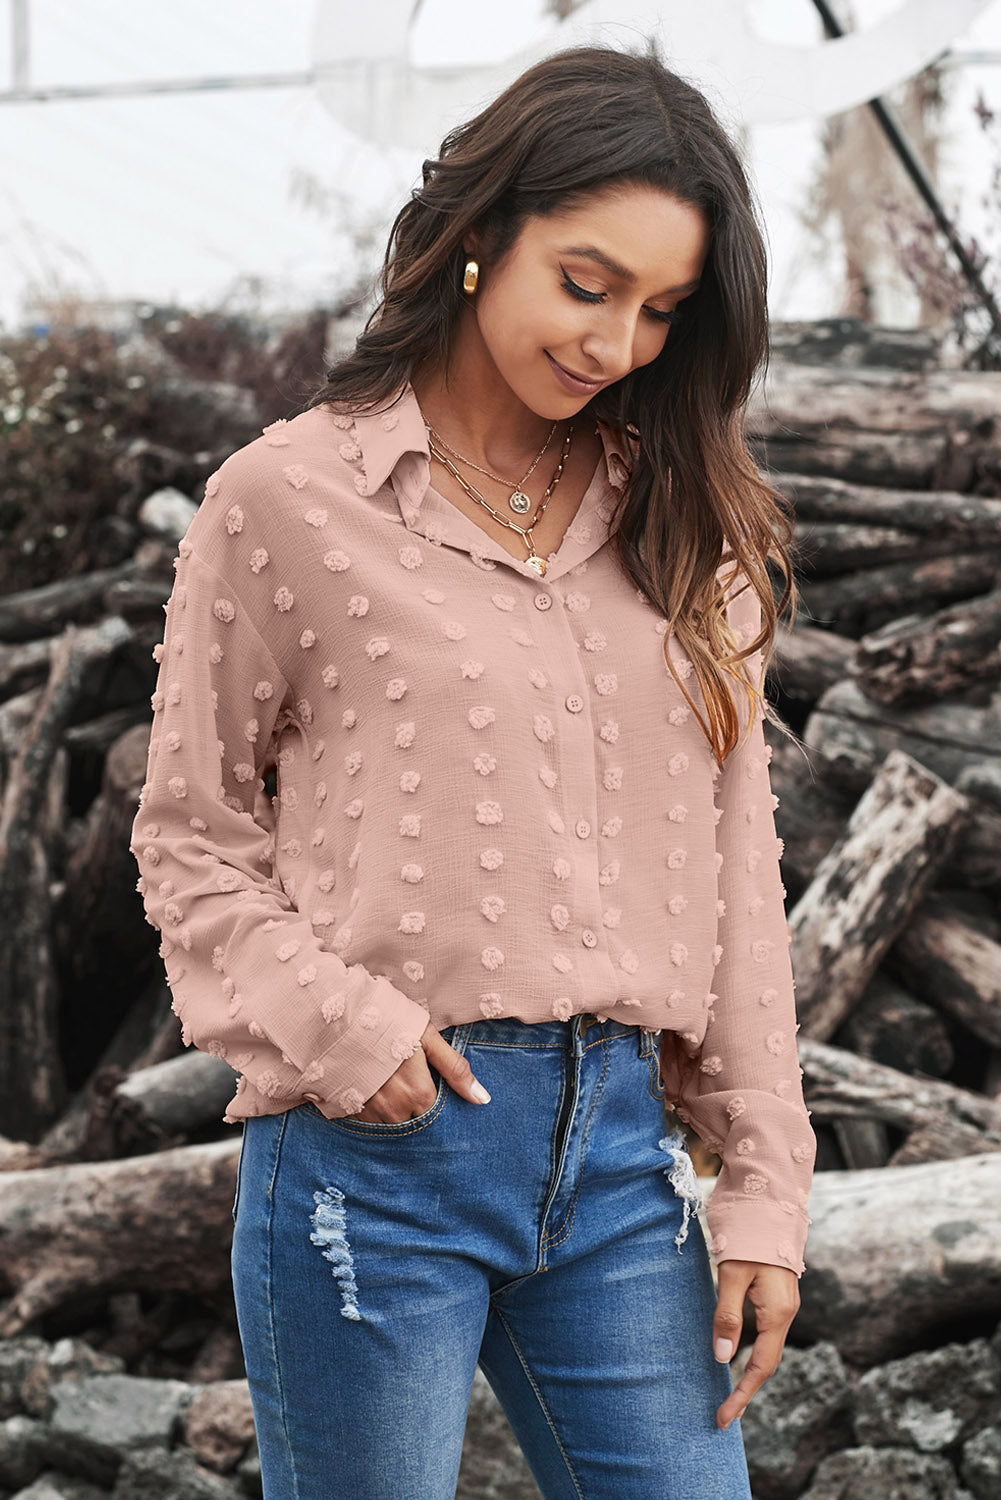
[{"x": 517, "y": 500}]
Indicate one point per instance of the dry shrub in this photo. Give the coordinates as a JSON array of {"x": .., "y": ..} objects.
[{"x": 75, "y": 399}]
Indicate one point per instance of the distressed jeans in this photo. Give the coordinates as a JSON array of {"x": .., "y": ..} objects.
[{"x": 550, "y": 1236}]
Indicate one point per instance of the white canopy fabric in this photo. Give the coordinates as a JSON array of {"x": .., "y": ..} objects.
[{"x": 370, "y": 85}]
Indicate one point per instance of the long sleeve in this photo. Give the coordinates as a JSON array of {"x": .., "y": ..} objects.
[
  {"x": 249, "y": 979},
  {"x": 741, "y": 1089}
]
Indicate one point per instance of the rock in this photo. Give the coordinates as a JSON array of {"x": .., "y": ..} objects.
[
  {"x": 167, "y": 513},
  {"x": 23, "y": 1369},
  {"x": 55, "y": 1486},
  {"x": 94, "y": 1419},
  {"x": 248, "y": 1472},
  {"x": 220, "y": 1424},
  {"x": 69, "y": 1359},
  {"x": 219, "y": 1358},
  {"x": 889, "y": 1473},
  {"x": 930, "y": 1400},
  {"x": 493, "y": 1465},
  {"x": 995, "y": 1341},
  {"x": 168, "y": 1476},
  {"x": 980, "y": 1464},
  {"x": 798, "y": 1417},
  {"x": 22, "y": 1451},
  {"x": 29, "y": 1367}
]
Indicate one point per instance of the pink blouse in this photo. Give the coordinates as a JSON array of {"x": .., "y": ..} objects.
[{"x": 492, "y": 800}]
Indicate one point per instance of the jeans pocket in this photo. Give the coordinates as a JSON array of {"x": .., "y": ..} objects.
[
  {"x": 456, "y": 1036},
  {"x": 397, "y": 1127}
]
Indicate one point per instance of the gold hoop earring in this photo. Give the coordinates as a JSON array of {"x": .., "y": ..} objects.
[{"x": 471, "y": 276}]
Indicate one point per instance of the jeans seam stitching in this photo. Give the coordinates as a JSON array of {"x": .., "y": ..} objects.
[
  {"x": 541, "y": 1400},
  {"x": 271, "y": 1297}
]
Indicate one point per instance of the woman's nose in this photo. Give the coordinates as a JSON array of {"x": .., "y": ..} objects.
[{"x": 613, "y": 346}]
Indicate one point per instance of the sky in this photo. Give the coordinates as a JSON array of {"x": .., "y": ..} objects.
[{"x": 259, "y": 196}]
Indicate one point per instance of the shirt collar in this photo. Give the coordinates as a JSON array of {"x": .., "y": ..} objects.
[{"x": 394, "y": 443}]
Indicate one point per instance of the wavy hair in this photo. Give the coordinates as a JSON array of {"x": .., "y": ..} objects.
[{"x": 696, "y": 517}]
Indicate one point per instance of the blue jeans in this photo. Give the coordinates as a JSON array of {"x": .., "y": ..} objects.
[{"x": 549, "y": 1235}]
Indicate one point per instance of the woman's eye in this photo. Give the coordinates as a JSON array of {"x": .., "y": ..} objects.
[{"x": 581, "y": 293}]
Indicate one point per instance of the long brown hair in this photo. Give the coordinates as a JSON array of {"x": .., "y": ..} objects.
[{"x": 569, "y": 126}]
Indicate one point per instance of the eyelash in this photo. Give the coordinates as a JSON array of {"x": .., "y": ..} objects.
[{"x": 583, "y": 295}]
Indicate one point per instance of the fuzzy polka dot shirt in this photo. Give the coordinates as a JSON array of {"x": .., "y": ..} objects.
[{"x": 491, "y": 799}]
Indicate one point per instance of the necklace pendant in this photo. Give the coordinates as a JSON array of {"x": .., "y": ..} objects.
[
  {"x": 520, "y": 503},
  {"x": 539, "y": 564}
]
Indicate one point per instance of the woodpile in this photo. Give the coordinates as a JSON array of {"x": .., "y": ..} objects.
[{"x": 116, "y": 1172}]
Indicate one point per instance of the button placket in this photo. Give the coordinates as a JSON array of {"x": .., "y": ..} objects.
[{"x": 580, "y": 784}]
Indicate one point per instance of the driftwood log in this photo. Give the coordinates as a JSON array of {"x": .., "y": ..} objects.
[
  {"x": 942, "y": 957},
  {"x": 169, "y": 1100},
  {"x": 964, "y": 520},
  {"x": 840, "y": 1085},
  {"x": 849, "y": 735},
  {"x": 148, "y": 1223},
  {"x": 831, "y": 547},
  {"x": 26, "y": 616},
  {"x": 891, "y": 1025},
  {"x": 899, "y": 1257},
  {"x": 917, "y": 657},
  {"x": 31, "y": 1083},
  {"x": 807, "y": 661},
  {"x": 938, "y": 429},
  {"x": 24, "y": 666},
  {"x": 97, "y": 920},
  {"x": 866, "y": 887},
  {"x": 148, "y": 1034},
  {"x": 855, "y": 603}
]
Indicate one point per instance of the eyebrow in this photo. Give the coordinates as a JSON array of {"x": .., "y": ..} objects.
[{"x": 591, "y": 252}]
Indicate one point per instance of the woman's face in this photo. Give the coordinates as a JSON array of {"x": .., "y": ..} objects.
[{"x": 588, "y": 293}]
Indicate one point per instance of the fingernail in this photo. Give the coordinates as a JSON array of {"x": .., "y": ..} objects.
[
  {"x": 724, "y": 1348},
  {"x": 480, "y": 1094}
]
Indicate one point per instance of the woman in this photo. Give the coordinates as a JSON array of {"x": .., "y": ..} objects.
[{"x": 496, "y": 605}]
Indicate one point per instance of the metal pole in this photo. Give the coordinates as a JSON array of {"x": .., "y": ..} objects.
[
  {"x": 45, "y": 94},
  {"x": 19, "y": 41},
  {"x": 915, "y": 169}
]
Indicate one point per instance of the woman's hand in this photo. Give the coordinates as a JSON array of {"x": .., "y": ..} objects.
[
  {"x": 411, "y": 1090},
  {"x": 775, "y": 1294}
]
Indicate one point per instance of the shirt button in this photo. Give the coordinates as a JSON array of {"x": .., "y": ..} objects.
[
  {"x": 543, "y": 601},
  {"x": 582, "y": 828},
  {"x": 575, "y": 703},
  {"x": 589, "y": 938}
]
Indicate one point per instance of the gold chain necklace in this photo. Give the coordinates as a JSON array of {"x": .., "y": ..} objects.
[
  {"x": 534, "y": 561},
  {"x": 518, "y": 500}
]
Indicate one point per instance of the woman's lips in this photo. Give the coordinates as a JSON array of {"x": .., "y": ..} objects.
[{"x": 573, "y": 382}]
